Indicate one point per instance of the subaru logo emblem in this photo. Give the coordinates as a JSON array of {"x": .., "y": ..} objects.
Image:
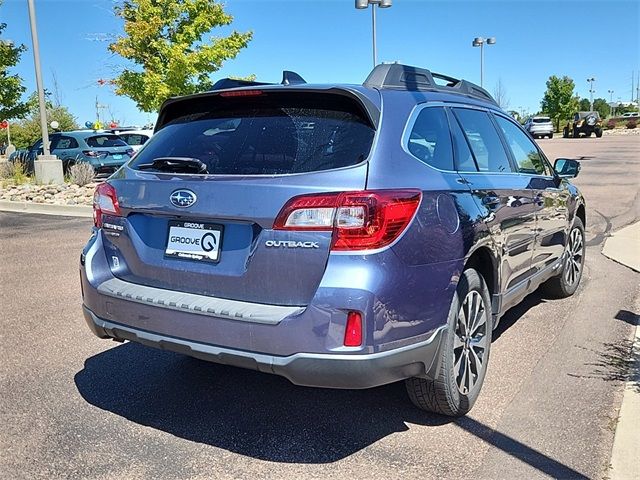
[{"x": 183, "y": 198}]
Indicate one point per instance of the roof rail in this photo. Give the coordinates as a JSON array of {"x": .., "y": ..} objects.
[
  {"x": 405, "y": 77},
  {"x": 288, "y": 78}
]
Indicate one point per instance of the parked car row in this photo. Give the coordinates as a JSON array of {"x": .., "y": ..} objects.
[{"x": 103, "y": 150}]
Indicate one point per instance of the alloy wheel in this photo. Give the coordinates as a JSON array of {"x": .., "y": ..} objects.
[
  {"x": 470, "y": 342},
  {"x": 573, "y": 263}
]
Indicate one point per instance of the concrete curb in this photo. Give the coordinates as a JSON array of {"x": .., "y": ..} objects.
[
  {"x": 46, "y": 209},
  {"x": 625, "y": 456}
]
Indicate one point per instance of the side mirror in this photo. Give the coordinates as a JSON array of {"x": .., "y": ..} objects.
[{"x": 566, "y": 167}]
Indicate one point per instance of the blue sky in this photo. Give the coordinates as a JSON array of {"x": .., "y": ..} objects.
[{"x": 330, "y": 41}]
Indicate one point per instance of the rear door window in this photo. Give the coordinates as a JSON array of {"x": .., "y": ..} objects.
[
  {"x": 266, "y": 134},
  {"x": 103, "y": 141},
  {"x": 430, "y": 140},
  {"x": 525, "y": 153},
  {"x": 484, "y": 141}
]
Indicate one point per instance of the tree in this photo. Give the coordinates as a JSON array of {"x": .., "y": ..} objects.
[
  {"x": 500, "y": 95},
  {"x": 600, "y": 105},
  {"x": 559, "y": 102},
  {"x": 26, "y": 131},
  {"x": 164, "y": 39},
  {"x": 11, "y": 88}
]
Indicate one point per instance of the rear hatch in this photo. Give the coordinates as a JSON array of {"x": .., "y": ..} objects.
[{"x": 211, "y": 233}]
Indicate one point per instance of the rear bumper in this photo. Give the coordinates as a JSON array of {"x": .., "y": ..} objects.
[{"x": 352, "y": 371}]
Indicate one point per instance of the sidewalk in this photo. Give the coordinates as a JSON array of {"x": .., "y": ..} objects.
[{"x": 624, "y": 247}]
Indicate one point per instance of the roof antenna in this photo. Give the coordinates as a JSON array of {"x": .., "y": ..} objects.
[{"x": 291, "y": 78}]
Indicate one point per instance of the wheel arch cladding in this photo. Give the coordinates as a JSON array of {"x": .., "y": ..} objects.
[{"x": 483, "y": 261}]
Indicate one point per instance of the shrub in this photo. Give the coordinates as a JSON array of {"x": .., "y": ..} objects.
[
  {"x": 611, "y": 124},
  {"x": 15, "y": 170},
  {"x": 81, "y": 173},
  {"x": 632, "y": 124}
]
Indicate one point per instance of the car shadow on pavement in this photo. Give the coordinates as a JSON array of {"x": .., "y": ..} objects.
[
  {"x": 264, "y": 416},
  {"x": 251, "y": 413},
  {"x": 515, "y": 313}
]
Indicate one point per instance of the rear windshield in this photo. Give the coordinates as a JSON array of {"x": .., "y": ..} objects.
[
  {"x": 541, "y": 120},
  {"x": 134, "y": 138},
  {"x": 266, "y": 134},
  {"x": 106, "y": 141}
]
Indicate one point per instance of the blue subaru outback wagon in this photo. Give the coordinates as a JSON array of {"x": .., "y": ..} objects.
[{"x": 342, "y": 236}]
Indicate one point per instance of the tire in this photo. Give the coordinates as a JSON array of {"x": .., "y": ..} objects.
[
  {"x": 565, "y": 132},
  {"x": 449, "y": 394},
  {"x": 551, "y": 135},
  {"x": 576, "y": 133},
  {"x": 598, "y": 133},
  {"x": 567, "y": 281}
]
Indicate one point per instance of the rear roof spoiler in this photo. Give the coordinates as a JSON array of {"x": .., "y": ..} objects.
[
  {"x": 404, "y": 77},
  {"x": 288, "y": 78}
]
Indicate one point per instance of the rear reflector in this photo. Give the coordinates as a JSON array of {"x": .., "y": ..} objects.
[
  {"x": 105, "y": 200},
  {"x": 353, "y": 332},
  {"x": 362, "y": 220}
]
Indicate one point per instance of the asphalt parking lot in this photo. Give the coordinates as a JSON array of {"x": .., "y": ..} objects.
[{"x": 74, "y": 406}]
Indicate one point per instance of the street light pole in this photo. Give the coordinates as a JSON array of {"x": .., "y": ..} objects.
[
  {"x": 362, "y": 4},
  {"x": 591, "y": 90},
  {"x": 479, "y": 42},
  {"x": 610, "y": 92},
  {"x": 36, "y": 61},
  {"x": 48, "y": 169}
]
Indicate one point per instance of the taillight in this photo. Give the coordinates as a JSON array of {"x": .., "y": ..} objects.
[
  {"x": 90, "y": 153},
  {"x": 353, "y": 331},
  {"x": 131, "y": 152},
  {"x": 105, "y": 200},
  {"x": 363, "y": 220}
]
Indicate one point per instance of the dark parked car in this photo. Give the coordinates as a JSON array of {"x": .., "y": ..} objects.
[
  {"x": 341, "y": 236},
  {"x": 105, "y": 152},
  {"x": 584, "y": 123}
]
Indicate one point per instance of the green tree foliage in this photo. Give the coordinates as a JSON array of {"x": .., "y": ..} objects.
[
  {"x": 26, "y": 131},
  {"x": 600, "y": 105},
  {"x": 11, "y": 88},
  {"x": 559, "y": 102},
  {"x": 164, "y": 40}
]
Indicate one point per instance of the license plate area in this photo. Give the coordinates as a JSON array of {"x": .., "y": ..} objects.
[{"x": 194, "y": 241}]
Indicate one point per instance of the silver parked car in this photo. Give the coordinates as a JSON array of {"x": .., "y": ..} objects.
[{"x": 539, "y": 127}]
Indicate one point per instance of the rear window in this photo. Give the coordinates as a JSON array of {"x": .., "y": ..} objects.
[
  {"x": 541, "y": 120},
  {"x": 266, "y": 134},
  {"x": 134, "y": 139},
  {"x": 105, "y": 141}
]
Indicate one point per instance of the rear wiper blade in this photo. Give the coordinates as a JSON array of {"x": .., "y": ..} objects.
[{"x": 175, "y": 165}]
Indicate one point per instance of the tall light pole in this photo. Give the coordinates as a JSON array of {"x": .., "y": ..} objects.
[
  {"x": 479, "y": 42},
  {"x": 610, "y": 92},
  {"x": 363, "y": 4},
  {"x": 48, "y": 168},
  {"x": 591, "y": 92},
  {"x": 36, "y": 61}
]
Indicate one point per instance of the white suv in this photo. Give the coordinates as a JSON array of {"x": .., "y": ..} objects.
[{"x": 539, "y": 127}]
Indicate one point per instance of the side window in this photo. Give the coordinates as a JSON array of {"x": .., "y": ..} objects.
[
  {"x": 65, "y": 143},
  {"x": 483, "y": 138},
  {"x": 430, "y": 140},
  {"x": 525, "y": 153}
]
